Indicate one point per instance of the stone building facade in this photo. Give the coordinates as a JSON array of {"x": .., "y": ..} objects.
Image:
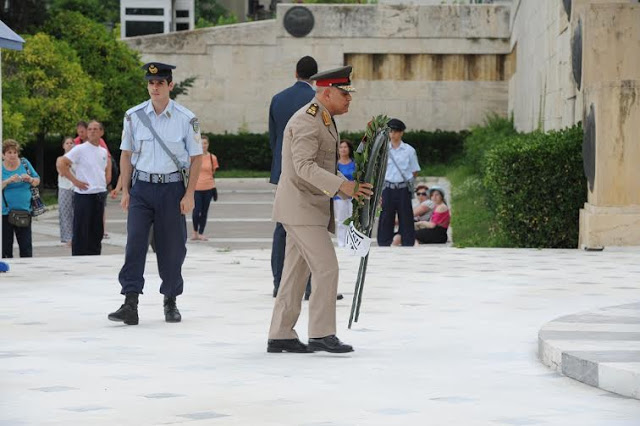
[{"x": 436, "y": 67}]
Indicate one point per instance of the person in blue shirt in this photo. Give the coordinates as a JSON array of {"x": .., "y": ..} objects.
[
  {"x": 154, "y": 190},
  {"x": 18, "y": 176},
  {"x": 402, "y": 168},
  {"x": 344, "y": 208}
]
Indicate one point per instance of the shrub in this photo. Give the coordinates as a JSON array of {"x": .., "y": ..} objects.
[
  {"x": 482, "y": 138},
  {"x": 252, "y": 151},
  {"x": 536, "y": 186}
]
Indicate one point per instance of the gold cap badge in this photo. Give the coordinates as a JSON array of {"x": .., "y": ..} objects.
[{"x": 153, "y": 69}]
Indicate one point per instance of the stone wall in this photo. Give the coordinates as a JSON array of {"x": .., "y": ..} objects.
[
  {"x": 443, "y": 67},
  {"x": 542, "y": 92}
]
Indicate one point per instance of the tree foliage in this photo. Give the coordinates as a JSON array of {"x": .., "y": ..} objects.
[
  {"x": 45, "y": 87},
  {"x": 96, "y": 10},
  {"x": 106, "y": 60},
  {"x": 23, "y": 16}
]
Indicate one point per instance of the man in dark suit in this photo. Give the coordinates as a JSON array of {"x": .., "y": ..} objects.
[{"x": 283, "y": 106}]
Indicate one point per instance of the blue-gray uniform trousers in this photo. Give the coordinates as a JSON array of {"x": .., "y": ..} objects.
[
  {"x": 157, "y": 204},
  {"x": 396, "y": 201}
]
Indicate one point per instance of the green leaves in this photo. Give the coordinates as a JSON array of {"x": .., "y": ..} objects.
[
  {"x": 46, "y": 86},
  {"x": 536, "y": 186},
  {"x": 362, "y": 158}
]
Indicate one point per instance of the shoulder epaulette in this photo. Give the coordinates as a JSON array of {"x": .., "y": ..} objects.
[
  {"x": 313, "y": 110},
  {"x": 184, "y": 110},
  {"x": 135, "y": 108}
]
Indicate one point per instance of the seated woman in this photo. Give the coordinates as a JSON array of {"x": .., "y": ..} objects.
[
  {"x": 422, "y": 212},
  {"x": 435, "y": 230}
]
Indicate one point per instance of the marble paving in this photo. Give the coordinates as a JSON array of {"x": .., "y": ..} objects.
[
  {"x": 446, "y": 336},
  {"x": 599, "y": 347}
]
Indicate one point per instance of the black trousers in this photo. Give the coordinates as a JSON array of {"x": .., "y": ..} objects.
[
  {"x": 437, "y": 235},
  {"x": 88, "y": 225},
  {"x": 396, "y": 201},
  {"x": 278, "y": 247},
  {"x": 157, "y": 204},
  {"x": 202, "y": 201},
  {"x": 23, "y": 236}
]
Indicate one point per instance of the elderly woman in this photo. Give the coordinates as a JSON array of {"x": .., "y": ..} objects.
[
  {"x": 18, "y": 176},
  {"x": 65, "y": 200},
  {"x": 435, "y": 230}
]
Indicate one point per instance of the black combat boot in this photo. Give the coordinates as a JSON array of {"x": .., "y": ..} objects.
[
  {"x": 128, "y": 313},
  {"x": 171, "y": 312}
]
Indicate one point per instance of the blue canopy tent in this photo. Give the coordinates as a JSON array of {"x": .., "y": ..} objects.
[{"x": 8, "y": 40}]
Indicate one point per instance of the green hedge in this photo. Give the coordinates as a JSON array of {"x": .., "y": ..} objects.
[
  {"x": 252, "y": 151},
  {"x": 536, "y": 186},
  {"x": 495, "y": 130}
]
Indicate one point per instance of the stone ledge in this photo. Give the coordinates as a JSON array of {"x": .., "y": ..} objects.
[{"x": 600, "y": 348}]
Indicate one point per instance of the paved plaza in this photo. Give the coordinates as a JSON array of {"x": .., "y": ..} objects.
[{"x": 447, "y": 336}]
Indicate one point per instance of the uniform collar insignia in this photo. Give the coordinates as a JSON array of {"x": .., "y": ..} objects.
[{"x": 326, "y": 118}]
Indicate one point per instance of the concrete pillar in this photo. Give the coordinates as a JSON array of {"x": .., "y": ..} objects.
[
  {"x": 611, "y": 97},
  {"x": 454, "y": 68}
]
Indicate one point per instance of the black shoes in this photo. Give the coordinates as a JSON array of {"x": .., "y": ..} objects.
[
  {"x": 287, "y": 345},
  {"x": 338, "y": 297},
  {"x": 171, "y": 312},
  {"x": 128, "y": 313},
  {"x": 329, "y": 344}
]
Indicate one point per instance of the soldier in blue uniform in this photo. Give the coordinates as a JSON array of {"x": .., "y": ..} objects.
[{"x": 161, "y": 151}]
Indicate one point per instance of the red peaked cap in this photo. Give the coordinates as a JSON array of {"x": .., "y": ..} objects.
[{"x": 338, "y": 77}]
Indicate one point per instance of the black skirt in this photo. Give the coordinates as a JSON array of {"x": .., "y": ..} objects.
[{"x": 437, "y": 235}]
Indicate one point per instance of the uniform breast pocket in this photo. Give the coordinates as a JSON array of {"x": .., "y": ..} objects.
[{"x": 142, "y": 141}]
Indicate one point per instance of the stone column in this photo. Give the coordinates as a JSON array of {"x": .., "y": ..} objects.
[{"x": 610, "y": 71}]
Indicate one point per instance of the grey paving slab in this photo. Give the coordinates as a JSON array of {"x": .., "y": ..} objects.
[
  {"x": 580, "y": 345},
  {"x": 448, "y": 345}
]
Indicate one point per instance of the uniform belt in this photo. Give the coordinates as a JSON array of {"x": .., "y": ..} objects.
[
  {"x": 158, "y": 177},
  {"x": 394, "y": 185}
]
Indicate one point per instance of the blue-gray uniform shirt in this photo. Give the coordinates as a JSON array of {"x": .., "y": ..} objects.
[
  {"x": 407, "y": 160},
  {"x": 176, "y": 125}
]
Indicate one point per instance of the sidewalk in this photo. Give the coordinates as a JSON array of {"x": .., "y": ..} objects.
[{"x": 446, "y": 336}]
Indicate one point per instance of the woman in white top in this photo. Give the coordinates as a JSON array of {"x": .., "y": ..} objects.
[{"x": 65, "y": 200}]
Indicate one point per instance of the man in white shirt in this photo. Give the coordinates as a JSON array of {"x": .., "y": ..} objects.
[
  {"x": 92, "y": 172},
  {"x": 402, "y": 168}
]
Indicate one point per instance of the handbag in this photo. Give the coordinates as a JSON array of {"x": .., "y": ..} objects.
[
  {"x": 410, "y": 183},
  {"x": 214, "y": 191},
  {"x": 17, "y": 218},
  {"x": 37, "y": 205}
]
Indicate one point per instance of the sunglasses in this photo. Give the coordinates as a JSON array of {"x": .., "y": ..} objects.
[{"x": 421, "y": 193}]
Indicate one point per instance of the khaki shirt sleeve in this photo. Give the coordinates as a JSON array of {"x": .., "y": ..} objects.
[{"x": 304, "y": 151}]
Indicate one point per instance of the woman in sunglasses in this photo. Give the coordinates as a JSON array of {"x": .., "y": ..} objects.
[{"x": 435, "y": 230}]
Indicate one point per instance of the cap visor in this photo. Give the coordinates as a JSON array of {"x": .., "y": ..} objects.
[
  {"x": 156, "y": 77},
  {"x": 346, "y": 88}
]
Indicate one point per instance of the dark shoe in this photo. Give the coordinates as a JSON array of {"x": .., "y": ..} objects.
[
  {"x": 128, "y": 313},
  {"x": 329, "y": 344},
  {"x": 338, "y": 297},
  {"x": 171, "y": 312},
  {"x": 275, "y": 292},
  {"x": 287, "y": 345}
]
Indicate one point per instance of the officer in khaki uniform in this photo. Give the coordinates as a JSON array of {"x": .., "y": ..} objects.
[{"x": 303, "y": 204}]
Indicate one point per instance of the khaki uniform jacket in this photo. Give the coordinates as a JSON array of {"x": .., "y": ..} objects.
[{"x": 309, "y": 164}]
